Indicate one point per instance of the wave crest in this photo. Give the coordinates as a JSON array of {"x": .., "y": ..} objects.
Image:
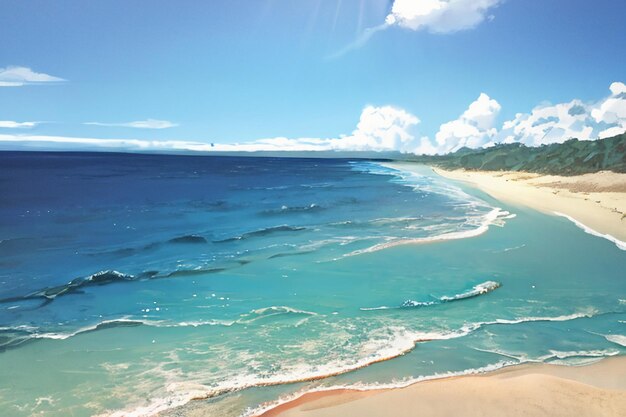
[
  {"x": 475, "y": 291},
  {"x": 400, "y": 341},
  {"x": 262, "y": 232},
  {"x": 494, "y": 217}
]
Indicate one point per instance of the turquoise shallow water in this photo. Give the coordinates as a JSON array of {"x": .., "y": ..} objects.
[{"x": 241, "y": 281}]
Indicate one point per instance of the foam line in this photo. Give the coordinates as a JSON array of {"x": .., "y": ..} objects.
[
  {"x": 490, "y": 218},
  {"x": 620, "y": 244},
  {"x": 475, "y": 291},
  {"x": 402, "y": 343}
]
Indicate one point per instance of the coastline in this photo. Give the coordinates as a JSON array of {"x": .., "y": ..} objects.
[
  {"x": 521, "y": 390},
  {"x": 594, "y": 202}
]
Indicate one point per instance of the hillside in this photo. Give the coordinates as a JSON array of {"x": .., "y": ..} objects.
[{"x": 569, "y": 158}]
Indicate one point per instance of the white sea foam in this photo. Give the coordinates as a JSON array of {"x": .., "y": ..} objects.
[
  {"x": 555, "y": 356},
  {"x": 512, "y": 248},
  {"x": 21, "y": 327},
  {"x": 397, "y": 341},
  {"x": 247, "y": 318},
  {"x": 376, "y": 308},
  {"x": 566, "y": 317},
  {"x": 197, "y": 323},
  {"x": 487, "y": 220},
  {"x": 620, "y": 244},
  {"x": 421, "y": 183},
  {"x": 263, "y": 408},
  {"x": 473, "y": 326},
  {"x": 274, "y": 310},
  {"x": 391, "y": 343},
  {"x": 63, "y": 336},
  {"x": 616, "y": 338},
  {"x": 482, "y": 288},
  {"x": 577, "y": 358}
]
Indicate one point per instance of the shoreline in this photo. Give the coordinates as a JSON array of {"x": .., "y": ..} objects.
[
  {"x": 595, "y": 202},
  {"x": 535, "y": 389}
]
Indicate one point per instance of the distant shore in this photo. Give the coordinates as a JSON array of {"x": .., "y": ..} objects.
[{"x": 535, "y": 390}]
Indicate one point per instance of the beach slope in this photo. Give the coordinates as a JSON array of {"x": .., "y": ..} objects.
[
  {"x": 597, "y": 201},
  {"x": 535, "y": 390}
]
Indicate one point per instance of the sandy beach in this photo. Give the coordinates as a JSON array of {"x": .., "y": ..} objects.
[
  {"x": 534, "y": 390},
  {"x": 596, "y": 200}
]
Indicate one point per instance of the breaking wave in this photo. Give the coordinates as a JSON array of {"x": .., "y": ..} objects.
[
  {"x": 400, "y": 343},
  {"x": 75, "y": 286},
  {"x": 264, "y": 408},
  {"x": 475, "y": 291},
  {"x": 293, "y": 209},
  {"x": 493, "y": 217},
  {"x": 14, "y": 336},
  {"x": 578, "y": 357},
  {"x": 262, "y": 232},
  {"x": 188, "y": 239},
  {"x": 99, "y": 278},
  {"x": 618, "y": 339}
]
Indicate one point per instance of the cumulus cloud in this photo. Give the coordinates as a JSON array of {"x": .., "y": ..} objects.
[
  {"x": 140, "y": 124},
  {"x": 576, "y": 119},
  {"x": 383, "y": 128},
  {"x": 440, "y": 16},
  {"x": 10, "y": 124},
  {"x": 474, "y": 128},
  {"x": 613, "y": 109},
  {"x": 13, "y": 76},
  {"x": 545, "y": 124}
]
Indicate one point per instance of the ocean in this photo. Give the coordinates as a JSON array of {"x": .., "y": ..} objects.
[{"x": 137, "y": 284}]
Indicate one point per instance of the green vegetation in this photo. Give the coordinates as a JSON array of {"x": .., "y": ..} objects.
[{"x": 573, "y": 157}]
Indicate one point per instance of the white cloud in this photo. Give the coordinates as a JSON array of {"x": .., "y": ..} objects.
[
  {"x": 435, "y": 16},
  {"x": 440, "y": 16},
  {"x": 388, "y": 128},
  {"x": 613, "y": 109},
  {"x": 557, "y": 123},
  {"x": 474, "y": 128},
  {"x": 9, "y": 124},
  {"x": 18, "y": 76},
  {"x": 140, "y": 124},
  {"x": 129, "y": 144},
  {"x": 545, "y": 124},
  {"x": 383, "y": 128}
]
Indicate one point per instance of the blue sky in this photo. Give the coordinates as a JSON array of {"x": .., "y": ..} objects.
[{"x": 238, "y": 71}]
